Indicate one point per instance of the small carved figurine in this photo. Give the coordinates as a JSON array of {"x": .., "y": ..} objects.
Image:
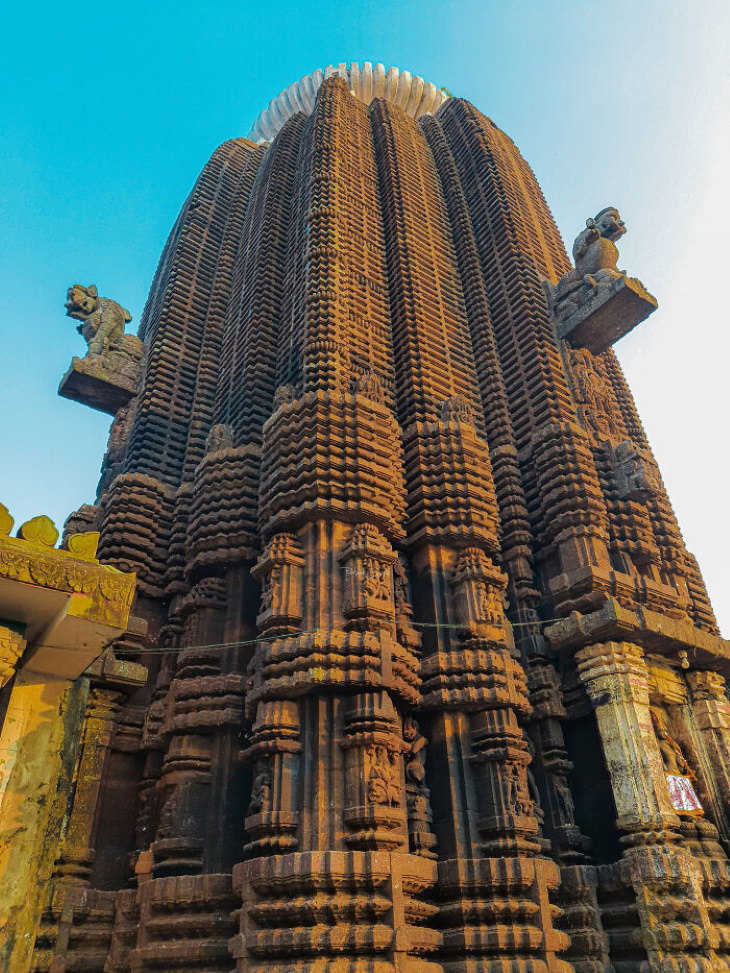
[
  {"x": 674, "y": 759},
  {"x": 636, "y": 476},
  {"x": 595, "y": 304},
  {"x": 261, "y": 792},
  {"x": 108, "y": 375},
  {"x": 283, "y": 395},
  {"x": 457, "y": 409},
  {"x": 376, "y": 583},
  {"x": 416, "y": 759},
  {"x": 220, "y": 437},
  {"x": 382, "y": 783},
  {"x": 514, "y": 798},
  {"x": 400, "y": 586},
  {"x": 369, "y": 385}
]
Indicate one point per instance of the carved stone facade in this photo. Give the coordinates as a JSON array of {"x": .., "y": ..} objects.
[{"x": 426, "y": 645}]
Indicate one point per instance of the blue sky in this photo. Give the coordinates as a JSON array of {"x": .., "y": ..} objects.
[{"x": 111, "y": 110}]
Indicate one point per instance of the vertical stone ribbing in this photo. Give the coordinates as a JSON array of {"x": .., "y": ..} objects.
[
  {"x": 255, "y": 315},
  {"x": 159, "y": 436},
  {"x": 433, "y": 358},
  {"x": 485, "y": 818},
  {"x": 518, "y": 247},
  {"x": 329, "y": 808},
  {"x": 223, "y": 515},
  {"x": 182, "y": 330},
  {"x": 514, "y": 521}
]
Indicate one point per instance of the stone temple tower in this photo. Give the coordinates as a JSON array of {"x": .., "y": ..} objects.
[{"x": 432, "y": 682}]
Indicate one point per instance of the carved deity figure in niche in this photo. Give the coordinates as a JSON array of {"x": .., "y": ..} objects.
[
  {"x": 598, "y": 408},
  {"x": 268, "y": 585},
  {"x": 383, "y": 784},
  {"x": 514, "y": 796},
  {"x": 375, "y": 578},
  {"x": 422, "y": 840},
  {"x": 261, "y": 791},
  {"x": 220, "y": 437},
  {"x": 416, "y": 759},
  {"x": 457, "y": 409},
  {"x": 368, "y": 384},
  {"x": 636, "y": 476},
  {"x": 491, "y": 605},
  {"x": 566, "y": 809},
  {"x": 400, "y": 587},
  {"x": 678, "y": 772}
]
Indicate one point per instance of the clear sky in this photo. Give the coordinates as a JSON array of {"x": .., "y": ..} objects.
[{"x": 110, "y": 110}]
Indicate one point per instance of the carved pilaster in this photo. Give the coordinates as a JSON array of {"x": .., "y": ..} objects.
[
  {"x": 274, "y": 748},
  {"x": 712, "y": 712},
  {"x": 367, "y": 559},
  {"x": 676, "y": 930},
  {"x": 280, "y": 572},
  {"x": 374, "y": 785},
  {"x": 552, "y": 765},
  {"x": 202, "y": 710},
  {"x": 77, "y": 854}
]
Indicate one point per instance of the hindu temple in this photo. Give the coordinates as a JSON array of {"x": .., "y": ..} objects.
[{"x": 379, "y": 648}]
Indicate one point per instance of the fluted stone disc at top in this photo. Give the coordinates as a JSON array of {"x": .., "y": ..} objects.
[{"x": 410, "y": 92}]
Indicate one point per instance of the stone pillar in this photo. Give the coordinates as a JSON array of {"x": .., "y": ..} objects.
[
  {"x": 40, "y": 724},
  {"x": 676, "y": 931},
  {"x": 616, "y": 679},
  {"x": 712, "y": 712}
]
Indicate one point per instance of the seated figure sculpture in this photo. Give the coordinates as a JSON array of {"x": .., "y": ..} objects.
[
  {"x": 107, "y": 377},
  {"x": 595, "y": 304}
]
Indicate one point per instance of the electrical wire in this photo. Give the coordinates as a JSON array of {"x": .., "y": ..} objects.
[{"x": 169, "y": 650}]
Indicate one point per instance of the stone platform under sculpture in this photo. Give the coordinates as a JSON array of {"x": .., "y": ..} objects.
[{"x": 107, "y": 377}]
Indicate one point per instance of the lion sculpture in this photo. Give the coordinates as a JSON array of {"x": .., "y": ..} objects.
[
  {"x": 596, "y": 257},
  {"x": 102, "y": 320}
]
